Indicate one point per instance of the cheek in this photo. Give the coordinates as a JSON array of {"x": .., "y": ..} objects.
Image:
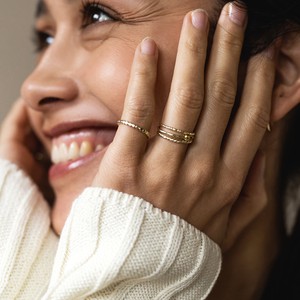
[
  {"x": 167, "y": 45},
  {"x": 36, "y": 121},
  {"x": 34, "y": 118},
  {"x": 107, "y": 76},
  {"x": 106, "y": 72}
]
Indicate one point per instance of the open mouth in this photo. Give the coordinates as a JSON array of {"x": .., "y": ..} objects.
[{"x": 78, "y": 144}]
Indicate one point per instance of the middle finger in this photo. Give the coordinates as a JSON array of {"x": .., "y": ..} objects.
[{"x": 187, "y": 90}]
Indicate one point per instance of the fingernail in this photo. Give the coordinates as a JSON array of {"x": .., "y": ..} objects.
[
  {"x": 199, "y": 19},
  {"x": 237, "y": 14},
  {"x": 148, "y": 46}
]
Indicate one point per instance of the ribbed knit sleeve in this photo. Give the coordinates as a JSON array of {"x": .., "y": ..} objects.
[
  {"x": 113, "y": 246},
  {"x": 117, "y": 246},
  {"x": 27, "y": 245}
]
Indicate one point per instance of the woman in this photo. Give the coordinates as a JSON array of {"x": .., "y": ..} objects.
[{"x": 85, "y": 47}]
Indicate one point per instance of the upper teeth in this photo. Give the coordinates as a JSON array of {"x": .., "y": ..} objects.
[{"x": 63, "y": 153}]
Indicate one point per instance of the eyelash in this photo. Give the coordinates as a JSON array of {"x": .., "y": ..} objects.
[
  {"x": 41, "y": 40},
  {"x": 90, "y": 9}
]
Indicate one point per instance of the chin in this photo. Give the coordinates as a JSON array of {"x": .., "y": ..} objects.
[
  {"x": 68, "y": 182},
  {"x": 76, "y": 149}
]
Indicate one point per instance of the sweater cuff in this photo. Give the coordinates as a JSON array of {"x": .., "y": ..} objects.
[
  {"x": 118, "y": 245},
  {"x": 24, "y": 234}
]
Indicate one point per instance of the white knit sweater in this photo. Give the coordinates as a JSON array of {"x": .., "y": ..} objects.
[{"x": 113, "y": 246}]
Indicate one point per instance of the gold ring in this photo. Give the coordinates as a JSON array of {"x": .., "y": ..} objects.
[
  {"x": 175, "y": 135},
  {"x": 132, "y": 125}
]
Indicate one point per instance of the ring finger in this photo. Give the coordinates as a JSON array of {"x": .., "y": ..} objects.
[{"x": 222, "y": 75}]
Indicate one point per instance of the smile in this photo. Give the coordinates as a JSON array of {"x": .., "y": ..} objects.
[
  {"x": 63, "y": 153},
  {"x": 78, "y": 144}
]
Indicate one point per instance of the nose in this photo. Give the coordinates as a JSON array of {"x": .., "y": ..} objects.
[{"x": 50, "y": 84}]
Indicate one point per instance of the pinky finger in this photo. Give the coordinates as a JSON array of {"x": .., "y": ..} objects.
[
  {"x": 139, "y": 103},
  {"x": 250, "y": 204},
  {"x": 253, "y": 115}
]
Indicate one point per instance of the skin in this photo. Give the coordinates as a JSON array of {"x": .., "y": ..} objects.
[
  {"x": 248, "y": 263},
  {"x": 80, "y": 82},
  {"x": 93, "y": 82}
]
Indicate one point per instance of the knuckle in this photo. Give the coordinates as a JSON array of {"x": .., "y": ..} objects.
[
  {"x": 143, "y": 73},
  {"x": 231, "y": 44},
  {"x": 137, "y": 110},
  {"x": 259, "y": 117},
  {"x": 188, "y": 97},
  {"x": 222, "y": 91},
  {"x": 125, "y": 165},
  {"x": 263, "y": 70},
  {"x": 203, "y": 176},
  {"x": 228, "y": 194},
  {"x": 231, "y": 193},
  {"x": 256, "y": 204},
  {"x": 195, "y": 46},
  {"x": 161, "y": 185},
  {"x": 230, "y": 41},
  {"x": 230, "y": 187}
]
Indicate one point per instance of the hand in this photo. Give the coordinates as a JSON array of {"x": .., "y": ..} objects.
[
  {"x": 19, "y": 145},
  {"x": 250, "y": 204},
  {"x": 199, "y": 182}
]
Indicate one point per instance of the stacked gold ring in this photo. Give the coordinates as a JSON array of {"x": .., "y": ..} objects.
[
  {"x": 175, "y": 135},
  {"x": 132, "y": 125}
]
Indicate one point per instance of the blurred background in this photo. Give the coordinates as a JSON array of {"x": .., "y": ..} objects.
[{"x": 16, "y": 48}]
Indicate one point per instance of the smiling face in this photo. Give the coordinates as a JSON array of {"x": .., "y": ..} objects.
[{"x": 75, "y": 95}]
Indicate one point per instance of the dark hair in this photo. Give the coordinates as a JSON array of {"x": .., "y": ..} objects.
[{"x": 268, "y": 20}]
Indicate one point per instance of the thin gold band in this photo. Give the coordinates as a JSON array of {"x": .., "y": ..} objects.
[
  {"x": 132, "y": 125},
  {"x": 176, "y": 130},
  {"x": 175, "y": 135}
]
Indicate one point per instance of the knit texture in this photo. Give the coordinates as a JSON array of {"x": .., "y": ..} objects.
[
  {"x": 27, "y": 244},
  {"x": 113, "y": 246}
]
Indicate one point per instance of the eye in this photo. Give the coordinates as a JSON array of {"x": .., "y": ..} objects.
[
  {"x": 42, "y": 40},
  {"x": 93, "y": 12}
]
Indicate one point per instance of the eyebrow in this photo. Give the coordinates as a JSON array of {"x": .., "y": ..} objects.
[{"x": 41, "y": 9}]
